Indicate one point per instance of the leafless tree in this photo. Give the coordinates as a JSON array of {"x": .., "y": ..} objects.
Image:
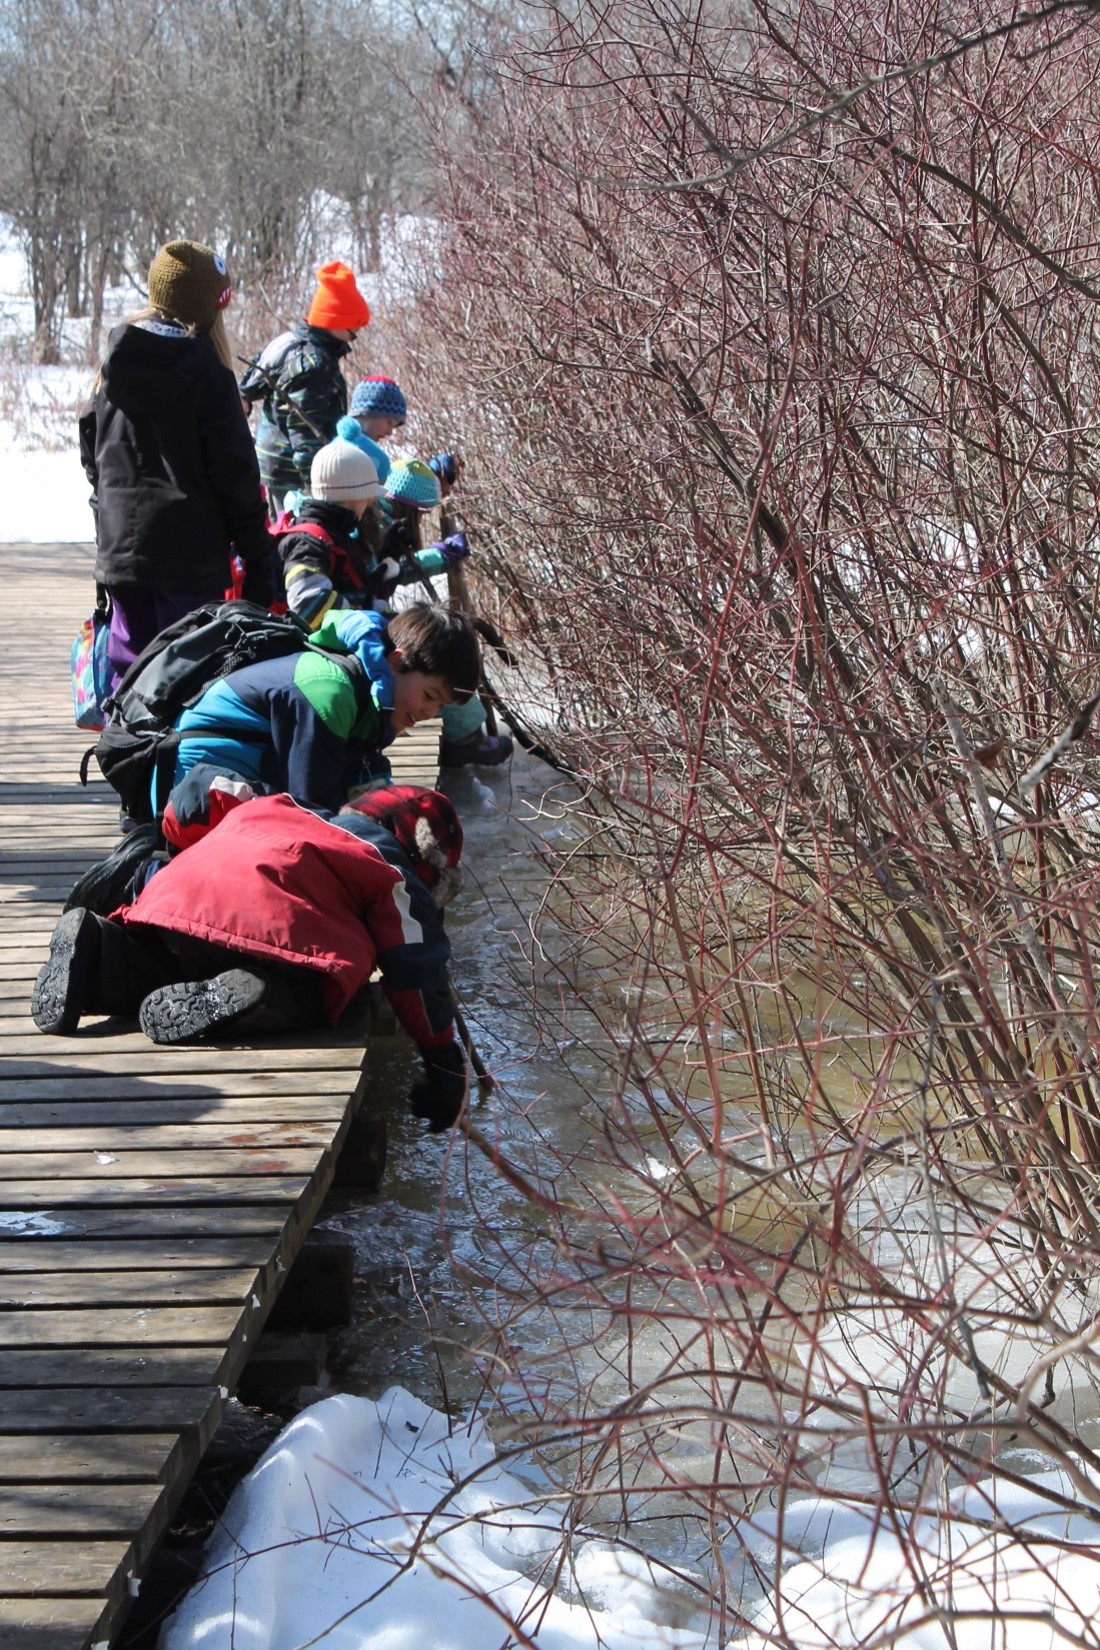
[{"x": 125, "y": 123}]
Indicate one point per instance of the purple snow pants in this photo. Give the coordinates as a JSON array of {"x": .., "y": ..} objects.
[{"x": 138, "y": 615}]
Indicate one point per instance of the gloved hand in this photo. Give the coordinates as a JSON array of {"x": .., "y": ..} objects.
[
  {"x": 453, "y": 548},
  {"x": 399, "y": 540},
  {"x": 445, "y": 466},
  {"x": 439, "y": 1098},
  {"x": 382, "y": 579},
  {"x": 259, "y": 582}
]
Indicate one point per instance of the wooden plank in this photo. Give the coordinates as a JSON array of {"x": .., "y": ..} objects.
[
  {"x": 168, "y": 1409},
  {"x": 171, "y": 1366},
  {"x": 122, "y": 1163},
  {"x": 97, "y": 1510},
  {"x": 134, "y": 1054},
  {"x": 32, "y": 1080},
  {"x": 63, "y": 1194},
  {"x": 201, "y": 1286},
  {"x": 54, "y": 1255},
  {"x": 70, "y": 1458},
  {"x": 137, "y": 1136},
  {"x": 61, "y": 1568},
  {"x": 50, "y": 1623},
  {"x": 158, "y": 1221},
  {"x": 226, "y": 1114},
  {"x": 137, "y": 1326}
]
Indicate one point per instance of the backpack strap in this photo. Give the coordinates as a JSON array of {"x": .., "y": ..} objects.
[
  {"x": 313, "y": 529},
  {"x": 164, "y": 766},
  {"x": 261, "y": 380},
  {"x": 165, "y": 760},
  {"x": 286, "y": 524}
]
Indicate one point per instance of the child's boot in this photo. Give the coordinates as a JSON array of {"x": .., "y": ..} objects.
[
  {"x": 192, "y": 1010},
  {"x": 478, "y": 750},
  {"x": 69, "y": 980},
  {"x": 94, "y": 967},
  {"x": 115, "y": 880}
]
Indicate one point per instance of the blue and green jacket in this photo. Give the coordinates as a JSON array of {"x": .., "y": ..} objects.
[{"x": 299, "y": 723}]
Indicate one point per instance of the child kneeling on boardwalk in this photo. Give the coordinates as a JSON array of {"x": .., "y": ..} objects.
[{"x": 272, "y": 906}]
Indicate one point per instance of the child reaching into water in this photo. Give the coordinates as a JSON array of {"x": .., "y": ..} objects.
[
  {"x": 468, "y": 740},
  {"x": 278, "y": 908},
  {"x": 335, "y": 551},
  {"x": 327, "y": 542}
]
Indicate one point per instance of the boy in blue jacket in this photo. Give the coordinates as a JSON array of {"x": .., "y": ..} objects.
[{"x": 315, "y": 727}]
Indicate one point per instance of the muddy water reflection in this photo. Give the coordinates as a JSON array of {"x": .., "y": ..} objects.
[
  {"x": 443, "y": 1210},
  {"x": 413, "y": 1323}
]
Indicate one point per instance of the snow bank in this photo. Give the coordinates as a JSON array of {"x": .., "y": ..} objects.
[
  {"x": 962, "y": 1579},
  {"x": 372, "y": 1524},
  {"x": 45, "y": 496}
]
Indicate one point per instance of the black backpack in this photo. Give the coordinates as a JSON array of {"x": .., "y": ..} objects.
[{"x": 140, "y": 741}]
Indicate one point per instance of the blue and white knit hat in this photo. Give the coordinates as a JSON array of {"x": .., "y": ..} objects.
[
  {"x": 413, "y": 483},
  {"x": 380, "y": 396}
]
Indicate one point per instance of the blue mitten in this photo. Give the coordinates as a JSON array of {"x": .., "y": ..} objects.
[{"x": 454, "y": 548}]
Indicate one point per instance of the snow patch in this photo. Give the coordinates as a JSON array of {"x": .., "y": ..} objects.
[{"x": 381, "y": 1525}]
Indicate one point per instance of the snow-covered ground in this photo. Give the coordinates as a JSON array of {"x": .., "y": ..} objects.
[
  {"x": 383, "y": 1525},
  {"x": 42, "y": 484}
]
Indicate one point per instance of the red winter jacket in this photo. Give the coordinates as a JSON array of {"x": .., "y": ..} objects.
[{"x": 274, "y": 881}]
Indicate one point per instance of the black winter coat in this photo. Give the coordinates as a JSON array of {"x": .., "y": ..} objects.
[
  {"x": 166, "y": 446},
  {"x": 347, "y": 561}
]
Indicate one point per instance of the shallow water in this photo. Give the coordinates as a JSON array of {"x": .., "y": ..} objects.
[{"x": 413, "y": 1324}]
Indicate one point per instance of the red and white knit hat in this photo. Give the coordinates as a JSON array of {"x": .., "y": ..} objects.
[{"x": 427, "y": 827}]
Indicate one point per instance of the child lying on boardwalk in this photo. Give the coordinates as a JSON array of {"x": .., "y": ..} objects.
[{"x": 276, "y": 907}]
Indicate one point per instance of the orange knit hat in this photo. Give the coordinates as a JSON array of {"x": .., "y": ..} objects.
[{"x": 338, "y": 302}]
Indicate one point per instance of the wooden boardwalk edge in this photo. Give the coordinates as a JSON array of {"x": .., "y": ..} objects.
[{"x": 152, "y": 1200}]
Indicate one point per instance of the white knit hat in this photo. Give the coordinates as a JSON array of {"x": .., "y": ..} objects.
[{"x": 343, "y": 474}]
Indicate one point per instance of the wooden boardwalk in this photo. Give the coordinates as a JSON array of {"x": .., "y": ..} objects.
[{"x": 151, "y": 1199}]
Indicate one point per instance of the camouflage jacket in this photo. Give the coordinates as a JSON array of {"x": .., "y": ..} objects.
[{"x": 302, "y": 394}]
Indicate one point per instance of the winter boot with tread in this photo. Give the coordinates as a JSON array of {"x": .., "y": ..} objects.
[
  {"x": 68, "y": 981},
  {"x": 195, "y": 1009}
]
